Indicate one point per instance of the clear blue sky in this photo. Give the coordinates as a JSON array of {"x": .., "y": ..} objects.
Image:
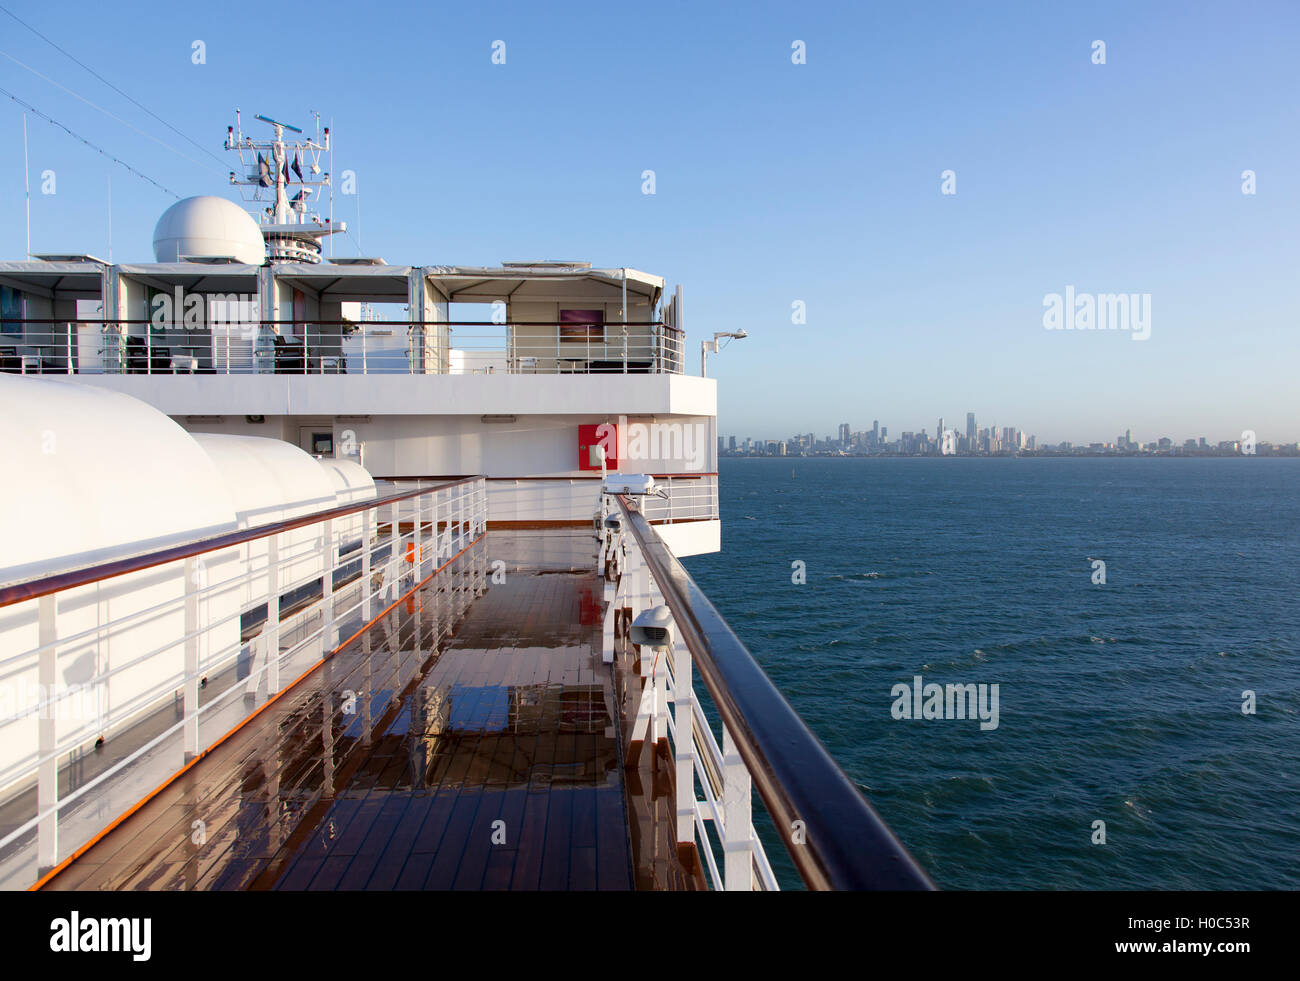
[{"x": 775, "y": 182}]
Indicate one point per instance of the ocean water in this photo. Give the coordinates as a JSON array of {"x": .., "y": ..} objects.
[{"x": 1119, "y": 703}]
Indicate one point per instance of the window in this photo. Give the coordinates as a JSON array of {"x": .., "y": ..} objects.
[
  {"x": 322, "y": 444},
  {"x": 11, "y": 311},
  {"x": 582, "y": 325}
]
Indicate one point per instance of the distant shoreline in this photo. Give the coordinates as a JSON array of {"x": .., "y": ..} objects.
[{"x": 1021, "y": 456}]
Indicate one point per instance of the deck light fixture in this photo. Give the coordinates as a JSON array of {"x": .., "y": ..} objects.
[
  {"x": 707, "y": 346},
  {"x": 653, "y": 628}
]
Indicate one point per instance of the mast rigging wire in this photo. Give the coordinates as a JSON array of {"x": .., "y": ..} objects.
[{"x": 98, "y": 149}]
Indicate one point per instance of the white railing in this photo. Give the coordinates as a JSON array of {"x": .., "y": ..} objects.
[
  {"x": 688, "y": 497},
  {"x": 721, "y": 818},
  {"x": 209, "y": 629},
  {"x": 830, "y": 832},
  {"x": 335, "y": 348}
]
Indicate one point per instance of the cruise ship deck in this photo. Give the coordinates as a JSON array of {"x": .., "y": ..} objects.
[{"x": 468, "y": 739}]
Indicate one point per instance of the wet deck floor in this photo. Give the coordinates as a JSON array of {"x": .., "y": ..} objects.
[{"x": 469, "y": 739}]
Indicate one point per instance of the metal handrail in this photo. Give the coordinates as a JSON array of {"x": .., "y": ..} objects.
[
  {"x": 844, "y": 844},
  {"x": 324, "y": 346},
  {"x": 100, "y": 571}
]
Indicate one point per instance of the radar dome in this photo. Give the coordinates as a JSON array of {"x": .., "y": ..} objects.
[{"x": 208, "y": 227}]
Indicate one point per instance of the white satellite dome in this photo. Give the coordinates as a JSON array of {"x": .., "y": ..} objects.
[{"x": 207, "y": 227}]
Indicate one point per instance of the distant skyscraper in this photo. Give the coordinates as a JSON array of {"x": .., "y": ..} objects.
[
  {"x": 970, "y": 429},
  {"x": 733, "y": 444}
]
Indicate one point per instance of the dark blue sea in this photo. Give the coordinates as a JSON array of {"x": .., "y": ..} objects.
[{"x": 1119, "y": 703}]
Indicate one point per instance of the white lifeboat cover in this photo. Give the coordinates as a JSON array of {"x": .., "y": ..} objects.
[
  {"x": 91, "y": 475},
  {"x": 352, "y": 482},
  {"x": 268, "y": 479}
]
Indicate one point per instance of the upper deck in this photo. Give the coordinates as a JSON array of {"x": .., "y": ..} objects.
[{"x": 90, "y": 317}]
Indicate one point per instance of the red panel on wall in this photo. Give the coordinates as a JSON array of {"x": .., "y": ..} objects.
[{"x": 589, "y": 437}]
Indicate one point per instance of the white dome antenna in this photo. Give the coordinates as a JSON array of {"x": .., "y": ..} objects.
[{"x": 207, "y": 228}]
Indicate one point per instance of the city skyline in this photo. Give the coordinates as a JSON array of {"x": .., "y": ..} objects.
[{"x": 971, "y": 438}]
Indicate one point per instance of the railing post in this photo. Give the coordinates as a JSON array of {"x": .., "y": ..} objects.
[
  {"x": 191, "y": 682},
  {"x": 367, "y": 587},
  {"x": 607, "y": 628},
  {"x": 392, "y": 581},
  {"x": 271, "y": 632},
  {"x": 738, "y": 832},
  {"x": 71, "y": 329},
  {"x": 363, "y": 348},
  {"x": 443, "y": 546},
  {"x": 684, "y": 698},
  {"x": 454, "y": 515},
  {"x": 659, "y": 721},
  {"x": 446, "y": 542},
  {"x": 638, "y": 599},
  {"x": 47, "y": 790},
  {"x": 328, "y": 630},
  {"x": 417, "y": 533}
]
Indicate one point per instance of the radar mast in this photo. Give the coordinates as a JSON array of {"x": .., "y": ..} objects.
[{"x": 270, "y": 168}]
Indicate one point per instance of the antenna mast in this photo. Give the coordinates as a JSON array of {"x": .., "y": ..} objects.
[
  {"x": 27, "y": 189},
  {"x": 291, "y": 229}
]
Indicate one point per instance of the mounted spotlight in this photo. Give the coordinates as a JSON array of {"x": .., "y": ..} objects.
[{"x": 712, "y": 346}]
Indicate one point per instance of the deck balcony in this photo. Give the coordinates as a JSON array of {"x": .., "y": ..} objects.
[{"x": 339, "y": 347}]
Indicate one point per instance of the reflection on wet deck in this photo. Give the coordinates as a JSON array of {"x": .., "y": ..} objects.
[{"x": 469, "y": 739}]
